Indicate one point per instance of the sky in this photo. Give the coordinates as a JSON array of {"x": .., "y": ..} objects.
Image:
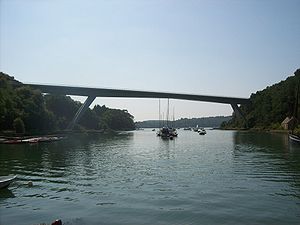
[{"x": 212, "y": 47}]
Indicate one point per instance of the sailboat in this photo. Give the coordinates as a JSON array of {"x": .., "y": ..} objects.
[
  {"x": 173, "y": 129},
  {"x": 166, "y": 132}
]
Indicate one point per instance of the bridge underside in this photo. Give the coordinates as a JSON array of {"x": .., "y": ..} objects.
[{"x": 92, "y": 93}]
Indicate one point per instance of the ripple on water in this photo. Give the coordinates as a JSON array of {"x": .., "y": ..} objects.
[{"x": 224, "y": 177}]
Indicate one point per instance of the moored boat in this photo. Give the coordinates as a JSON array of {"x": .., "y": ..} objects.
[
  {"x": 202, "y": 131},
  {"x": 164, "y": 132},
  {"x": 196, "y": 129},
  {"x": 167, "y": 133},
  {"x": 32, "y": 140},
  {"x": 5, "y": 181},
  {"x": 173, "y": 132},
  {"x": 294, "y": 138}
]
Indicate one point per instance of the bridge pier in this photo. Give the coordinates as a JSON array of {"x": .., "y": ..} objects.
[
  {"x": 81, "y": 111},
  {"x": 238, "y": 112}
]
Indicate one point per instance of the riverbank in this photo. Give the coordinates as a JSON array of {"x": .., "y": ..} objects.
[
  {"x": 9, "y": 137},
  {"x": 258, "y": 130},
  {"x": 12, "y": 134}
]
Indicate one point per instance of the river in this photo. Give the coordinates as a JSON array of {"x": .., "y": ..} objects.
[{"x": 223, "y": 177}]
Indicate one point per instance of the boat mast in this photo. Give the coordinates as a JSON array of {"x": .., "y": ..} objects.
[
  {"x": 173, "y": 117},
  {"x": 159, "y": 122},
  {"x": 168, "y": 113}
]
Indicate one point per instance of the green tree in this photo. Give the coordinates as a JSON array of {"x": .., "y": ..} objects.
[
  {"x": 19, "y": 126},
  {"x": 271, "y": 106},
  {"x": 63, "y": 109},
  {"x": 21, "y": 106},
  {"x": 115, "y": 119}
]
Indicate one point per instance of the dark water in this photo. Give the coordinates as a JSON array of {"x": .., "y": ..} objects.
[{"x": 224, "y": 177}]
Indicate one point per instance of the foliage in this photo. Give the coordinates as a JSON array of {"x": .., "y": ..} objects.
[
  {"x": 19, "y": 126},
  {"x": 269, "y": 107},
  {"x": 115, "y": 119},
  {"x": 297, "y": 131},
  {"x": 22, "y": 107},
  {"x": 185, "y": 122},
  {"x": 63, "y": 109},
  {"x": 19, "y": 101}
]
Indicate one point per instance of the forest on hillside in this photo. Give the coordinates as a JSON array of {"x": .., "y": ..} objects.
[
  {"x": 269, "y": 107},
  {"x": 24, "y": 110},
  {"x": 215, "y": 121}
]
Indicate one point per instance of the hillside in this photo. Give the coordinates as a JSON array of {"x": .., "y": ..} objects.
[
  {"x": 24, "y": 110},
  {"x": 268, "y": 107},
  {"x": 185, "y": 122}
]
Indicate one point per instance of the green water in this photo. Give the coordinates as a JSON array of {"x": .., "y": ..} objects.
[{"x": 224, "y": 177}]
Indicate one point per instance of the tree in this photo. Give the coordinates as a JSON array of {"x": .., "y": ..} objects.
[
  {"x": 271, "y": 106},
  {"x": 19, "y": 126},
  {"x": 22, "y": 107}
]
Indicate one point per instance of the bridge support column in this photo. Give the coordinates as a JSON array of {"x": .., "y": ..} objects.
[
  {"x": 81, "y": 111},
  {"x": 238, "y": 112}
]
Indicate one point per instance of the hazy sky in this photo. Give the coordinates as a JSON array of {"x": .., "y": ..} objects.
[{"x": 223, "y": 48}]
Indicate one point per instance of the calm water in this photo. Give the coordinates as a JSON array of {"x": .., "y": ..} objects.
[{"x": 224, "y": 177}]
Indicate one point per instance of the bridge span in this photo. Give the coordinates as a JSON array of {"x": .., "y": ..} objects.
[{"x": 92, "y": 93}]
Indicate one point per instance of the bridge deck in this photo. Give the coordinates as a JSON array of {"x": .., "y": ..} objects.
[{"x": 104, "y": 92}]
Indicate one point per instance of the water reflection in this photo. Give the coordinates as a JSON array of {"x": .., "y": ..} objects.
[
  {"x": 53, "y": 161},
  {"x": 138, "y": 178},
  {"x": 268, "y": 156},
  {"x": 263, "y": 140},
  {"x": 6, "y": 193},
  {"x": 167, "y": 148},
  {"x": 266, "y": 142}
]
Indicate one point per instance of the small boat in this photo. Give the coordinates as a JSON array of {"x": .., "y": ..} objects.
[
  {"x": 32, "y": 140},
  {"x": 294, "y": 138},
  {"x": 173, "y": 132},
  {"x": 5, "y": 181},
  {"x": 202, "y": 131},
  {"x": 12, "y": 141}
]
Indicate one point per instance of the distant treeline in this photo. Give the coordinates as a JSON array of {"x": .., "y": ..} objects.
[
  {"x": 23, "y": 109},
  {"x": 185, "y": 122},
  {"x": 269, "y": 107}
]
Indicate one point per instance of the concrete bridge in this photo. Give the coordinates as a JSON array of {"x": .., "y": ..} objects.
[{"x": 92, "y": 93}]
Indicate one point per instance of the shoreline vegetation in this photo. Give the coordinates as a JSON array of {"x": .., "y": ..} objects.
[
  {"x": 269, "y": 108},
  {"x": 213, "y": 121},
  {"x": 27, "y": 112}
]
